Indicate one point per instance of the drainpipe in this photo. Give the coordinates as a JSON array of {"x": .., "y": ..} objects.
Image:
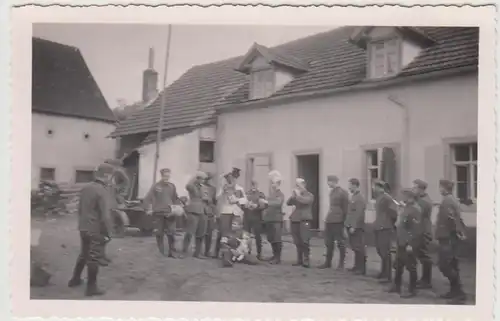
[{"x": 406, "y": 138}]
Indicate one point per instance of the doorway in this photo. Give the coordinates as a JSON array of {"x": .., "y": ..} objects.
[
  {"x": 131, "y": 165},
  {"x": 308, "y": 169}
]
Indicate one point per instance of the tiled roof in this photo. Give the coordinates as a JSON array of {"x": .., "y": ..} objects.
[
  {"x": 273, "y": 56},
  {"x": 333, "y": 62},
  {"x": 63, "y": 85}
]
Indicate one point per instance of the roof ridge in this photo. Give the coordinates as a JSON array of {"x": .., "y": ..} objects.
[{"x": 56, "y": 43}]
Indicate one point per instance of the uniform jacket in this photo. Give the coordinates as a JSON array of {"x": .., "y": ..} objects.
[
  {"x": 224, "y": 205},
  {"x": 449, "y": 220},
  {"x": 253, "y": 196},
  {"x": 385, "y": 215},
  {"x": 94, "y": 208},
  {"x": 197, "y": 195},
  {"x": 211, "y": 200},
  {"x": 339, "y": 201},
  {"x": 425, "y": 204},
  {"x": 161, "y": 196},
  {"x": 356, "y": 212},
  {"x": 408, "y": 228},
  {"x": 274, "y": 209},
  {"x": 303, "y": 206}
]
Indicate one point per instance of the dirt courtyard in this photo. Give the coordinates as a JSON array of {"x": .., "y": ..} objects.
[{"x": 139, "y": 272}]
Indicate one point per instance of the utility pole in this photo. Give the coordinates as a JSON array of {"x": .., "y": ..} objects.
[{"x": 162, "y": 106}]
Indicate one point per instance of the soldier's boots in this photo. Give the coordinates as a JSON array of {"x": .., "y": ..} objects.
[
  {"x": 305, "y": 261},
  {"x": 328, "y": 258},
  {"x": 76, "y": 280},
  {"x": 362, "y": 265},
  {"x": 208, "y": 244},
  {"x": 160, "y": 244},
  {"x": 387, "y": 274},
  {"x": 185, "y": 243},
  {"x": 300, "y": 258},
  {"x": 425, "y": 281},
  {"x": 197, "y": 250},
  {"x": 279, "y": 247},
  {"x": 171, "y": 247},
  {"x": 341, "y": 263},
  {"x": 92, "y": 289},
  {"x": 356, "y": 266},
  {"x": 381, "y": 274},
  {"x": 412, "y": 292},
  {"x": 395, "y": 288}
]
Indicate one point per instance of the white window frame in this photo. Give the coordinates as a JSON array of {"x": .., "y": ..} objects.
[
  {"x": 369, "y": 167},
  {"x": 471, "y": 180},
  {"x": 258, "y": 89},
  {"x": 371, "y": 57}
]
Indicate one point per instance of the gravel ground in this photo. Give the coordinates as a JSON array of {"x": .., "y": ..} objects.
[{"x": 139, "y": 272}]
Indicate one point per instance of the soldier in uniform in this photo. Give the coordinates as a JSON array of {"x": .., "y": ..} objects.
[
  {"x": 158, "y": 202},
  {"x": 229, "y": 201},
  {"x": 210, "y": 211},
  {"x": 95, "y": 226},
  {"x": 355, "y": 224},
  {"x": 408, "y": 238},
  {"x": 334, "y": 223},
  {"x": 450, "y": 230},
  {"x": 425, "y": 203},
  {"x": 300, "y": 220},
  {"x": 195, "y": 209},
  {"x": 385, "y": 218},
  {"x": 252, "y": 215},
  {"x": 273, "y": 217}
]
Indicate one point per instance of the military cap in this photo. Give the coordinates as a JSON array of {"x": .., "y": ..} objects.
[
  {"x": 300, "y": 180},
  {"x": 104, "y": 169},
  {"x": 200, "y": 174},
  {"x": 165, "y": 170},
  {"x": 236, "y": 172},
  {"x": 408, "y": 192},
  {"x": 420, "y": 184},
  {"x": 332, "y": 178},
  {"x": 447, "y": 184},
  {"x": 354, "y": 181},
  {"x": 380, "y": 183}
]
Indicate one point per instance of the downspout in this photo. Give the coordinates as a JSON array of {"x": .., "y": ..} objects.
[{"x": 405, "y": 166}]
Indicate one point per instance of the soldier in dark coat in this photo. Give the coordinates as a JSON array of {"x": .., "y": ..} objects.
[
  {"x": 211, "y": 212},
  {"x": 408, "y": 238},
  {"x": 385, "y": 218},
  {"x": 195, "y": 210},
  {"x": 425, "y": 203},
  {"x": 334, "y": 223},
  {"x": 355, "y": 223},
  {"x": 273, "y": 217},
  {"x": 252, "y": 216},
  {"x": 158, "y": 202},
  {"x": 300, "y": 220},
  {"x": 95, "y": 226},
  {"x": 450, "y": 230}
]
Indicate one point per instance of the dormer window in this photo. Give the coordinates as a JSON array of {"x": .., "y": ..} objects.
[
  {"x": 269, "y": 70},
  {"x": 262, "y": 83},
  {"x": 389, "y": 49},
  {"x": 384, "y": 58}
]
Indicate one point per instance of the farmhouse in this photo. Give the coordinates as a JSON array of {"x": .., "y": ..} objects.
[
  {"x": 395, "y": 103},
  {"x": 71, "y": 120}
]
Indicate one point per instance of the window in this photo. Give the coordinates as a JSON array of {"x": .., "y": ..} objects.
[
  {"x": 47, "y": 174},
  {"x": 373, "y": 163},
  {"x": 82, "y": 176},
  {"x": 262, "y": 83},
  {"x": 465, "y": 171},
  {"x": 384, "y": 60},
  {"x": 207, "y": 151}
]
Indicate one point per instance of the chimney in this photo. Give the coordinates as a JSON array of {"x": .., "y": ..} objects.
[{"x": 149, "y": 79}]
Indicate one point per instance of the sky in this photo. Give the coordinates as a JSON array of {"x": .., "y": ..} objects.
[{"x": 117, "y": 54}]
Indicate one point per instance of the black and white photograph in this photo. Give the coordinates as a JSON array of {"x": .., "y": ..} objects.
[{"x": 256, "y": 163}]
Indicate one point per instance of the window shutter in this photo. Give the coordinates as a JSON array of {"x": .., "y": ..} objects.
[{"x": 388, "y": 168}]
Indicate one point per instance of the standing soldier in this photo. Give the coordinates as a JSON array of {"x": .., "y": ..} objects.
[
  {"x": 273, "y": 217},
  {"x": 408, "y": 237},
  {"x": 252, "y": 216},
  {"x": 95, "y": 225},
  {"x": 229, "y": 199},
  {"x": 301, "y": 218},
  {"x": 450, "y": 230},
  {"x": 334, "y": 223},
  {"x": 210, "y": 211},
  {"x": 158, "y": 202},
  {"x": 195, "y": 209},
  {"x": 355, "y": 223},
  {"x": 425, "y": 203},
  {"x": 385, "y": 218}
]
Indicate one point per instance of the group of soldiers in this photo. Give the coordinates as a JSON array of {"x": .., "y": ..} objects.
[{"x": 406, "y": 223}]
